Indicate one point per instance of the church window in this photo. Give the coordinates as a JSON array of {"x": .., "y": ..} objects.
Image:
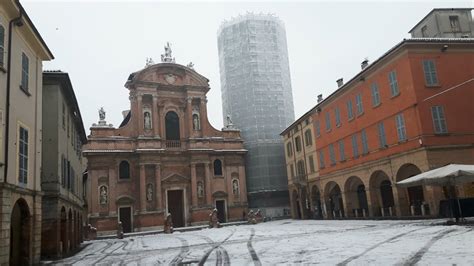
[
  {"x": 217, "y": 167},
  {"x": 124, "y": 170}
]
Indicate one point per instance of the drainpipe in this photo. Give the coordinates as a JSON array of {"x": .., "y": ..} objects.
[{"x": 14, "y": 22}]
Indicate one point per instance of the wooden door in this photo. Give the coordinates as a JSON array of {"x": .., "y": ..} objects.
[
  {"x": 125, "y": 216},
  {"x": 176, "y": 207}
]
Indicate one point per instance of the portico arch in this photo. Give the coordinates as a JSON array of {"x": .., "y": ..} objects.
[
  {"x": 333, "y": 199},
  {"x": 382, "y": 200},
  {"x": 63, "y": 231},
  {"x": 20, "y": 234},
  {"x": 296, "y": 204},
  {"x": 356, "y": 197},
  {"x": 316, "y": 203},
  {"x": 411, "y": 198}
]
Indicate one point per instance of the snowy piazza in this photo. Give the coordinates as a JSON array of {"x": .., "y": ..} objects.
[{"x": 292, "y": 242}]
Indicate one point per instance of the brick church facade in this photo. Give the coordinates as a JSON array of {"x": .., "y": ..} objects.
[{"x": 165, "y": 157}]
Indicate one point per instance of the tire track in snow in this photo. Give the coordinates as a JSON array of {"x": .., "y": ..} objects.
[
  {"x": 419, "y": 254},
  {"x": 345, "y": 262},
  {"x": 204, "y": 258},
  {"x": 182, "y": 253},
  {"x": 252, "y": 252},
  {"x": 122, "y": 245},
  {"x": 222, "y": 257}
]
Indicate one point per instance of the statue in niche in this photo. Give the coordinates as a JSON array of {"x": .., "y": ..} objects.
[
  {"x": 102, "y": 114},
  {"x": 103, "y": 195},
  {"x": 200, "y": 189},
  {"x": 149, "y": 192},
  {"x": 196, "y": 122},
  {"x": 235, "y": 187},
  {"x": 147, "y": 120}
]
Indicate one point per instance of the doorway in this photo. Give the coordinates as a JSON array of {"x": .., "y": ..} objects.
[
  {"x": 175, "y": 202},
  {"x": 220, "y": 206},
  {"x": 125, "y": 216},
  {"x": 20, "y": 234}
]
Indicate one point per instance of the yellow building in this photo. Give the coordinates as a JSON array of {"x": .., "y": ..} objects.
[
  {"x": 22, "y": 51},
  {"x": 302, "y": 168}
]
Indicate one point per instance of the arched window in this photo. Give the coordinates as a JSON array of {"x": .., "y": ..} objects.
[
  {"x": 217, "y": 167},
  {"x": 172, "y": 126},
  {"x": 124, "y": 170}
]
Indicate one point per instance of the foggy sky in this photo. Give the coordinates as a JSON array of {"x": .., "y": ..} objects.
[{"x": 100, "y": 43}]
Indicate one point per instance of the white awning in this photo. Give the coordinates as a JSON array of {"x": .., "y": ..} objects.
[{"x": 447, "y": 175}]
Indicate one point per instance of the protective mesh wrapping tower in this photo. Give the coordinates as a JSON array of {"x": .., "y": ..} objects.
[{"x": 256, "y": 92}]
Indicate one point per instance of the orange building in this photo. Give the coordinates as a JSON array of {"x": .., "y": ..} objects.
[
  {"x": 408, "y": 112},
  {"x": 165, "y": 157}
]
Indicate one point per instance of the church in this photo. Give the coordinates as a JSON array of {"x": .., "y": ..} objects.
[{"x": 165, "y": 157}]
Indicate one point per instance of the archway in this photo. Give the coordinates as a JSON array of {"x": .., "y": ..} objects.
[
  {"x": 356, "y": 197},
  {"x": 412, "y": 204},
  {"x": 20, "y": 229},
  {"x": 316, "y": 203},
  {"x": 70, "y": 230},
  {"x": 296, "y": 205},
  {"x": 381, "y": 194},
  {"x": 172, "y": 126},
  {"x": 334, "y": 202},
  {"x": 63, "y": 230}
]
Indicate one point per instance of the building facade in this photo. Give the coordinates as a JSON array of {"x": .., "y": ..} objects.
[
  {"x": 22, "y": 52},
  {"x": 406, "y": 113},
  {"x": 165, "y": 157},
  {"x": 445, "y": 23},
  {"x": 256, "y": 93},
  {"x": 302, "y": 168},
  {"x": 62, "y": 167}
]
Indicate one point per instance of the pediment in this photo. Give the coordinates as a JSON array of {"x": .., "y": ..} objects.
[
  {"x": 171, "y": 75},
  {"x": 219, "y": 194},
  {"x": 125, "y": 200},
  {"x": 175, "y": 178}
]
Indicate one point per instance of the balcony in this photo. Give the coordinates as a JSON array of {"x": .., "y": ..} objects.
[
  {"x": 173, "y": 144},
  {"x": 299, "y": 179}
]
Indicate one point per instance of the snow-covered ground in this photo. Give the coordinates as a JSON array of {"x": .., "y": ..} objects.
[{"x": 291, "y": 241}]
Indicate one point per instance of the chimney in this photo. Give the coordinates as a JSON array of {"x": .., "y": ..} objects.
[
  {"x": 340, "y": 82},
  {"x": 320, "y": 98},
  {"x": 364, "y": 64},
  {"x": 125, "y": 113}
]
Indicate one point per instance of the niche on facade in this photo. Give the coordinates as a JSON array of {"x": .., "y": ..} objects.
[
  {"x": 196, "y": 118},
  {"x": 149, "y": 192},
  {"x": 103, "y": 195},
  {"x": 235, "y": 185},
  {"x": 200, "y": 189}
]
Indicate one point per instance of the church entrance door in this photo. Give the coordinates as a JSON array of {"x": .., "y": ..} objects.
[
  {"x": 125, "y": 216},
  {"x": 220, "y": 206},
  {"x": 176, "y": 207}
]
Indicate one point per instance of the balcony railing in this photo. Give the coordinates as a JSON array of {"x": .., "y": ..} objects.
[{"x": 173, "y": 144}]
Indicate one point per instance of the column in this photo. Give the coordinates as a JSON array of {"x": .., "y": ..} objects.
[
  {"x": 194, "y": 185},
  {"x": 346, "y": 204},
  {"x": 208, "y": 185},
  {"x": 139, "y": 114},
  {"x": 142, "y": 188},
  {"x": 112, "y": 207},
  {"x": 155, "y": 116},
  {"x": 370, "y": 210},
  {"x": 228, "y": 184},
  {"x": 243, "y": 184},
  {"x": 203, "y": 114},
  {"x": 158, "y": 193},
  {"x": 189, "y": 116}
]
